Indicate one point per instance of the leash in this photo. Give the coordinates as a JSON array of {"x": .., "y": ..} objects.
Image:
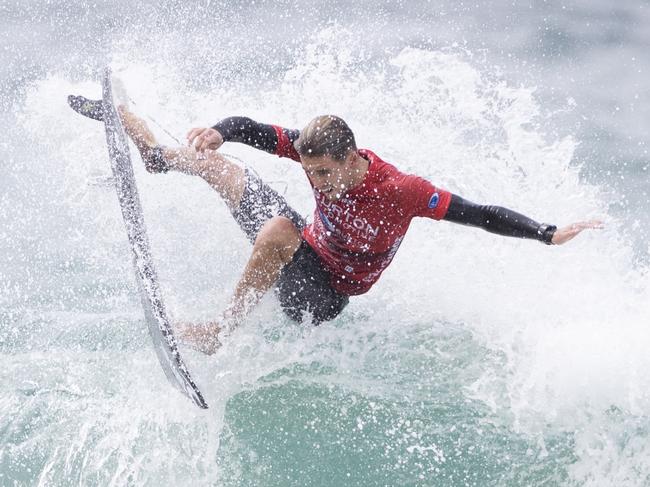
[{"x": 231, "y": 156}]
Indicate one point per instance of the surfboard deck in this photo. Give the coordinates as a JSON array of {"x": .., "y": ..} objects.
[{"x": 155, "y": 314}]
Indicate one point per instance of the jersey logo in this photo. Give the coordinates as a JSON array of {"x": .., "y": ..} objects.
[
  {"x": 433, "y": 202},
  {"x": 326, "y": 221}
]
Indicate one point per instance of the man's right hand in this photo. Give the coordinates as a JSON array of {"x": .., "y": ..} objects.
[{"x": 202, "y": 139}]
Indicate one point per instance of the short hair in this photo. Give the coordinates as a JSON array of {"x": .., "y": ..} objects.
[{"x": 327, "y": 135}]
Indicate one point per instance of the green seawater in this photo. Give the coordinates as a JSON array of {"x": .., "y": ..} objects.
[{"x": 303, "y": 427}]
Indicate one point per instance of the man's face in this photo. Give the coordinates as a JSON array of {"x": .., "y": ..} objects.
[{"x": 329, "y": 176}]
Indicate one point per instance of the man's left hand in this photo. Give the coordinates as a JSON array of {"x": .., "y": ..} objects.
[{"x": 563, "y": 235}]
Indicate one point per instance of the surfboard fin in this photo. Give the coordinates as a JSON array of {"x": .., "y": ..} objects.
[{"x": 88, "y": 108}]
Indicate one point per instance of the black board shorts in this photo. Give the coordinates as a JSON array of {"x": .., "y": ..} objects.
[{"x": 303, "y": 287}]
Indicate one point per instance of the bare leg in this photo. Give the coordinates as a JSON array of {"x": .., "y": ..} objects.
[
  {"x": 275, "y": 245},
  {"x": 274, "y": 248},
  {"x": 221, "y": 174}
]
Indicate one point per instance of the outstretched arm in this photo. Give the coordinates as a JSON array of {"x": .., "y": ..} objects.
[
  {"x": 269, "y": 138},
  {"x": 502, "y": 221},
  {"x": 247, "y": 131}
]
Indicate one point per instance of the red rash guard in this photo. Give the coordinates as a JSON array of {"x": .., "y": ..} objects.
[{"x": 358, "y": 235}]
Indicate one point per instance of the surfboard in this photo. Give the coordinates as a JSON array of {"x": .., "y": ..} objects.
[{"x": 155, "y": 314}]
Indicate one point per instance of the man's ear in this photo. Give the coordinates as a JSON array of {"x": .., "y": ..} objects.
[{"x": 353, "y": 157}]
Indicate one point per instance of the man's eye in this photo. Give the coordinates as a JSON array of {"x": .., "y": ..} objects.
[{"x": 322, "y": 172}]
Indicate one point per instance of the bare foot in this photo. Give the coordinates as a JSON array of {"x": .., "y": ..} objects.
[{"x": 200, "y": 336}]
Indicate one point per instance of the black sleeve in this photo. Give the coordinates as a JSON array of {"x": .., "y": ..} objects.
[
  {"x": 247, "y": 131},
  {"x": 499, "y": 220}
]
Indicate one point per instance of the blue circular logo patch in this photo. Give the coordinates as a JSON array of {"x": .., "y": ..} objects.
[{"x": 433, "y": 202}]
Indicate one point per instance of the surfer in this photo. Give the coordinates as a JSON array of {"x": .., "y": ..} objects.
[{"x": 364, "y": 206}]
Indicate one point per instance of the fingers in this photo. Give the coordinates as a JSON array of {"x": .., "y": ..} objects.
[
  {"x": 563, "y": 235},
  {"x": 591, "y": 224},
  {"x": 587, "y": 225},
  {"x": 578, "y": 227},
  {"x": 203, "y": 139},
  {"x": 193, "y": 133},
  {"x": 196, "y": 136},
  {"x": 206, "y": 141}
]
